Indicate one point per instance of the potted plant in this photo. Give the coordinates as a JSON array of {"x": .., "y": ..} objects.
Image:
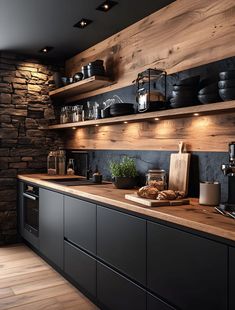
[{"x": 124, "y": 173}]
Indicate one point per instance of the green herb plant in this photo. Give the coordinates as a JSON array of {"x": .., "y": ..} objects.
[{"x": 125, "y": 168}]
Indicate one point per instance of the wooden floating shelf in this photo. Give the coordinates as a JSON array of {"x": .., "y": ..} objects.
[
  {"x": 205, "y": 109},
  {"x": 81, "y": 87}
]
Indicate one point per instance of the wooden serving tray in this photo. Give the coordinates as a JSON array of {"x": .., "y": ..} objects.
[{"x": 157, "y": 203}]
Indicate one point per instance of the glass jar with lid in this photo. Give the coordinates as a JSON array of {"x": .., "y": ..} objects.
[
  {"x": 156, "y": 178},
  {"x": 61, "y": 160}
]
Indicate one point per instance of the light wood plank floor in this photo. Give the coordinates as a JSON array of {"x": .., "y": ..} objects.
[{"x": 27, "y": 282}]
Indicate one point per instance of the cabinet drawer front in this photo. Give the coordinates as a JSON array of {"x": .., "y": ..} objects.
[
  {"x": 231, "y": 278},
  {"x": 80, "y": 223},
  {"x": 154, "y": 303},
  {"x": 80, "y": 267},
  {"x": 187, "y": 270},
  {"x": 121, "y": 242},
  {"x": 51, "y": 233},
  {"x": 116, "y": 292}
]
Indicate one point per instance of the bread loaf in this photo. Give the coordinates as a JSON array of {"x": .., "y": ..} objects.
[
  {"x": 170, "y": 195},
  {"x": 148, "y": 191}
]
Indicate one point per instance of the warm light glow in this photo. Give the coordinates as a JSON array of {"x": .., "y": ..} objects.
[
  {"x": 106, "y": 6},
  {"x": 73, "y": 128},
  {"x": 125, "y": 122},
  {"x": 44, "y": 50},
  {"x": 83, "y": 23},
  {"x": 96, "y": 125},
  {"x": 157, "y": 119},
  {"x": 196, "y": 114}
]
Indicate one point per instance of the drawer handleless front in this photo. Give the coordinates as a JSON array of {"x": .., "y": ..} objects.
[
  {"x": 80, "y": 267},
  {"x": 154, "y": 303},
  {"x": 121, "y": 242},
  {"x": 116, "y": 292},
  {"x": 80, "y": 223},
  {"x": 231, "y": 278},
  {"x": 188, "y": 271},
  {"x": 51, "y": 232}
]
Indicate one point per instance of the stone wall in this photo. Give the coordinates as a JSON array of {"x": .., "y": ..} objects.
[{"x": 25, "y": 110}]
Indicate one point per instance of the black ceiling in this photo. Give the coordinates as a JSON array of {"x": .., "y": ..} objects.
[{"x": 26, "y": 26}]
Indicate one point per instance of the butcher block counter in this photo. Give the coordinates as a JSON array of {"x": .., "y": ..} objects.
[{"x": 202, "y": 218}]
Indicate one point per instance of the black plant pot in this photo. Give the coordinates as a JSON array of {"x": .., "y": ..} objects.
[{"x": 124, "y": 182}]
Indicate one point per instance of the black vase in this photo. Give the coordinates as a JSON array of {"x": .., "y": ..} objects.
[{"x": 124, "y": 182}]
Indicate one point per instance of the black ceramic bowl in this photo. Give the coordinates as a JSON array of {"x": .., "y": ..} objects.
[
  {"x": 183, "y": 87},
  {"x": 179, "y": 102},
  {"x": 191, "y": 81},
  {"x": 227, "y": 75},
  {"x": 208, "y": 81},
  {"x": 227, "y": 94},
  {"x": 227, "y": 84},
  {"x": 209, "y": 98},
  {"x": 189, "y": 93},
  {"x": 213, "y": 88}
]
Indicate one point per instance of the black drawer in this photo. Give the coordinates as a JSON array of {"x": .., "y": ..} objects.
[
  {"x": 188, "y": 271},
  {"x": 80, "y": 267},
  {"x": 80, "y": 223},
  {"x": 116, "y": 292},
  {"x": 121, "y": 242}
]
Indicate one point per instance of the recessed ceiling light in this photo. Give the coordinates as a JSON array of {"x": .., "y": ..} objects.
[
  {"x": 125, "y": 122},
  {"x": 196, "y": 114},
  {"x": 46, "y": 49},
  {"x": 106, "y": 5},
  {"x": 156, "y": 118},
  {"x": 83, "y": 23}
]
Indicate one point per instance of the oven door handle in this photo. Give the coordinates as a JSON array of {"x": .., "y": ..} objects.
[{"x": 29, "y": 196}]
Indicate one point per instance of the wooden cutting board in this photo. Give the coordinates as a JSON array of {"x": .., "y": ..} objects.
[
  {"x": 179, "y": 170},
  {"x": 156, "y": 203}
]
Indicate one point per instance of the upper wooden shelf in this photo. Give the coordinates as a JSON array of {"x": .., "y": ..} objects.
[
  {"x": 81, "y": 87},
  {"x": 205, "y": 109}
]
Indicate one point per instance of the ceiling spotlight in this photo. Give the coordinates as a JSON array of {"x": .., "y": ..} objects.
[
  {"x": 196, "y": 114},
  {"x": 74, "y": 128},
  {"x": 83, "y": 23},
  {"x": 96, "y": 125},
  {"x": 106, "y": 5},
  {"x": 125, "y": 122},
  {"x": 46, "y": 49},
  {"x": 156, "y": 118}
]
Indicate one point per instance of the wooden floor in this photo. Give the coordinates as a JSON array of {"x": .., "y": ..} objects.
[{"x": 28, "y": 282}]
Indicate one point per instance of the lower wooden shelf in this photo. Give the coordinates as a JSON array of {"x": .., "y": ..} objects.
[{"x": 206, "y": 109}]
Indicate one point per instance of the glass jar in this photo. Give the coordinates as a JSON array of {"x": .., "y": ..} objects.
[
  {"x": 52, "y": 163},
  {"x": 156, "y": 178},
  {"x": 90, "y": 110}
]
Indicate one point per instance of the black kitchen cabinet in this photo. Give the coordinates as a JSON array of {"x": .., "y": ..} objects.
[
  {"x": 121, "y": 242},
  {"x": 154, "y": 303},
  {"x": 80, "y": 223},
  {"x": 116, "y": 292},
  {"x": 51, "y": 233},
  {"x": 80, "y": 267},
  {"x": 188, "y": 271},
  {"x": 231, "y": 278}
]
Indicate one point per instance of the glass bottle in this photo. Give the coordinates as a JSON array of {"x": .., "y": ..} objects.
[
  {"x": 70, "y": 167},
  {"x": 61, "y": 162},
  {"x": 52, "y": 163},
  {"x": 90, "y": 112}
]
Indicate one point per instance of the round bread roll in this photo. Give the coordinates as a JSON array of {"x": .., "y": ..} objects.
[{"x": 149, "y": 192}]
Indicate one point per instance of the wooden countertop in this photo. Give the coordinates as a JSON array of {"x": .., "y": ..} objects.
[{"x": 201, "y": 218}]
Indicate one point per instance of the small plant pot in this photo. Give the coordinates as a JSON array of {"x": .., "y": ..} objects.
[{"x": 124, "y": 182}]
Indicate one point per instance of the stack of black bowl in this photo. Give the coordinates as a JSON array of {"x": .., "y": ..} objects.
[
  {"x": 185, "y": 92},
  {"x": 96, "y": 68},
  {"x": 227, "y": 85},
  {"x": 208, "y": 91},
  {"x": 118, "y": 109}
]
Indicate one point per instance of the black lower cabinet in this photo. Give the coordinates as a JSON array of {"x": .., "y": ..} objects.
[
  {"x": 115, "y": 292},
  {"x": 81, "y": 268},
  {"x": 80, "y": 223},
  {"x": 154, "y": 303},
  {"x": 188, "y": 271},
  {"x": 121, "y": 242},
  {"x": 51, "y": 228},
  {"x": 231, "y": 278}
]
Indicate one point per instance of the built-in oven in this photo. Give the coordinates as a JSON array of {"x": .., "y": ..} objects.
[{"x": 31, "y": 209}]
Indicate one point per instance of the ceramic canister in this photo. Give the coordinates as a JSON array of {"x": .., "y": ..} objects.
[{"x": 210, "y": 193}]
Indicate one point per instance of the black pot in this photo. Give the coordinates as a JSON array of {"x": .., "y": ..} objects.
[
  {"x": 227, "y": 94},
  {"x": 124, "y": 182},
  {"x": 209, "y": 98},
  {"x": 78, "y": 77},
  {"x": 212, "y": 88},
  {"x": 227, "y": 84},
  {"x": 227, "y": 75}
]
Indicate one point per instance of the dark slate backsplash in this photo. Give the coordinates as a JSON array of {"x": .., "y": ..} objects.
[{"x": 205, "y": 166}]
